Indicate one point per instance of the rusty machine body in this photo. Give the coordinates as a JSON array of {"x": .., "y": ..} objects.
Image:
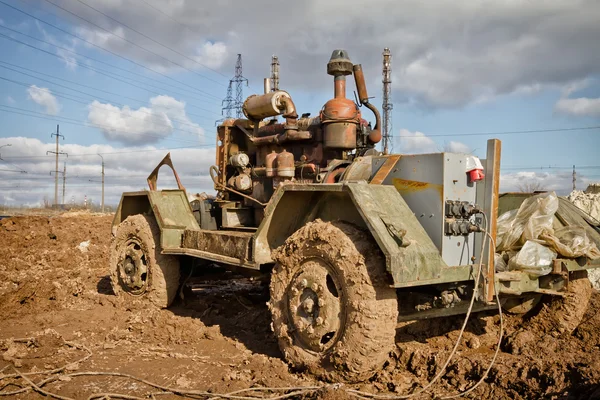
[{"x": 292, "y": 199}]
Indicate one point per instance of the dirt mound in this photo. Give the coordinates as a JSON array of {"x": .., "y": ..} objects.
[{"x": 56, "y": 299}]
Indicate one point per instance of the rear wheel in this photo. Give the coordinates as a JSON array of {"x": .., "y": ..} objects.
[
  {"x": 334, "y": 312},
  {"x": 137, "y": 266}
]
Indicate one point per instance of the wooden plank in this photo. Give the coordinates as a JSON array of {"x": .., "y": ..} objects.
[{"x": 492, "y": 188}]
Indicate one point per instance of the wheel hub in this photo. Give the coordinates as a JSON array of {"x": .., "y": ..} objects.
[
  {"x": 132, "y": 267},
  {"x": 315, "y": 306}
]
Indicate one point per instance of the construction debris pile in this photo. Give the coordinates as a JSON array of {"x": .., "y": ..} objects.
[
  {"x": 530, "y": 238},
  {"x": 588, "y": 200}
]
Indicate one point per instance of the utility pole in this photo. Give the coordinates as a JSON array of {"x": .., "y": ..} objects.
[
  {"x": 274, "y": 73},
  {"x": 574, "y": 177},
  {"x": 64, "y": 181},
  {"x": 57, "y": 134},
  {"x": 387, "y": 99},
  {"x": 102, "y": 182}
]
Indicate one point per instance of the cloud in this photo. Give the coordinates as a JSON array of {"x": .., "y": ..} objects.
[
  {"x": 43, "y": 97},
  {"x": 465, "y": 51},
  {"x": 561, "y": 181},
  {"x": 9, "y": 100},
  {"x": 419, "y": 143},
  {"x": 213, "y": 55},
  {"x": 65, "y": 52},
  {"x": 126, "y": 169},
  {"x": 142, "y": 125},
  {"x": 457, "y": 147},
  {"x": 416, "y": 142},
  {"x": 582, "y": 106}
]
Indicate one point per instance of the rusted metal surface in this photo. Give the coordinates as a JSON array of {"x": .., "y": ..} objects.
[
  {"x": 225, "y": 243},
  {"x": 258, "y": 107},
  {"x": 385, "y": 169},
  {"x": 361, "y": 87},
  {"x": 340, "y": 116},
  {"x": 153, "y": 177},
  {"x": 223, "y": 137}
]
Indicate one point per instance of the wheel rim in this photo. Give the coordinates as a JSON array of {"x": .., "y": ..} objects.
[
  {"x": 133, "y": 268},
  {"x": 315, "y": 306}
]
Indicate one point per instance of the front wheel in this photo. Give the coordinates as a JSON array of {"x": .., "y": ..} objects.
[
  {"x": 137, "y": 266},
  {"x": 333, "y": 310}
]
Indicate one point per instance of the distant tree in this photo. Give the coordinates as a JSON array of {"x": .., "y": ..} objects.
[{"x": 530, "y": 186}]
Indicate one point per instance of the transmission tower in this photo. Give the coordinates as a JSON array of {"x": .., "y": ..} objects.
[
  {"x": 274, "y": 73},
  {"x": 229, "y": 104},
  {"x": 387, "y": 99},
  {"x": 239, "y": 80}
]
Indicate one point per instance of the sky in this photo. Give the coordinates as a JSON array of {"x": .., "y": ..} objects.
[{"x": 128, "y": 81}]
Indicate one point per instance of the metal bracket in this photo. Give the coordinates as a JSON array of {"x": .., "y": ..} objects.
[{"x": 153, "y": 177}]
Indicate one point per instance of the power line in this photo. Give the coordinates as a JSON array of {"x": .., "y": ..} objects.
[
  {"x": 552, "y": 167},
  {"x": 149, "y": 38},
  {"x": 86, "y": 86},
  {"x": 22, "y": 111},
  {"x": 86, "y": 103},
  {"x": 120, "y": 152},
  {"x": 102, "y": 48},
  {"x": 109, "y": 74},
  {"x": 95, "y": 60},
  {"x": 127, "y": 40},
  {"x": 503, "y": 132}
]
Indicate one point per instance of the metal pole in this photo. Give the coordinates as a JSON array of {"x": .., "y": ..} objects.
[
  {"x": 274, "y": 73},
  {"x": 56, "y": 170},
  {"x": 64, "y": 181},
  {"x": 102, "y": 182},
  {"x": 56, "y": 153}
]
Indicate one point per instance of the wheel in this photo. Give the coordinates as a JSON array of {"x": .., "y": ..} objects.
[
  {"x": 333, "y": 310},
  {"x": 137, "y": 266}
]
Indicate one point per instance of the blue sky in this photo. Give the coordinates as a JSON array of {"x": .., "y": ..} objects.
[{"x": 513, "y": 66}]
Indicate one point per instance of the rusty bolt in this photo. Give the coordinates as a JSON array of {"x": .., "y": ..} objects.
[
  {"x": 321, "y": 302},
  {"x": 314, "y": 287},
  {"x": 319, "y": 321}
]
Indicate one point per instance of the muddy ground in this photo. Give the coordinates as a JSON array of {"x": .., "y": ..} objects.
[{"x": 61, "y": 323}]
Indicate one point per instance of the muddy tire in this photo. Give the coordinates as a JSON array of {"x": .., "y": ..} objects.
[
  {"x": 333, "y": 310},
  {"x": 137, "y": 266}
]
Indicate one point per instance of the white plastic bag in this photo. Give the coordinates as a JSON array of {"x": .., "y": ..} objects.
[
  {"x": 534, "y": 259},
  {"x": 534, "y": 217},
  {"x": 571, "y": 242},
  {"x": 499, "y": 263},
  {"x": 505, "y": 234}
]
